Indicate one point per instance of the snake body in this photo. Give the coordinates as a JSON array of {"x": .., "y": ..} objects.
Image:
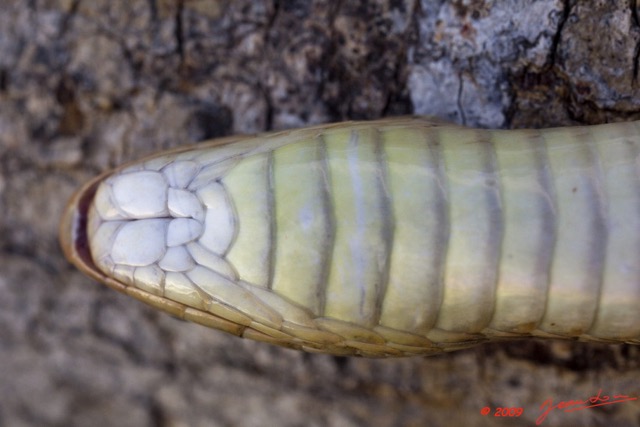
[{"x": 386, "y": 238}]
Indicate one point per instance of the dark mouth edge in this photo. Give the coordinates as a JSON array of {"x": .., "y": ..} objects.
[
  {"x": 79, "y": 232},
  {"x": 73, "y": 229}
]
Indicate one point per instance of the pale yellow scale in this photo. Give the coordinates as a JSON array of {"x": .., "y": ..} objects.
[
  {"x": 251, "y": 252},
  {"x": 619, "y": 299},
  {"x": 418, "y": 187},
  {"x": 576, "y": 267},
  {"x": 302, "y": 214},
  {"x": 358, "y": 270},
  {"x": 475, "y": 217},
  {"x": 528, "y": 210}
]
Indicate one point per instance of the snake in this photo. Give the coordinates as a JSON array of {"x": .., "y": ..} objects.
[{"x": 395, "y": 237}]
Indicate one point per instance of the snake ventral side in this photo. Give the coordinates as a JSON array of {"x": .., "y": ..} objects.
[{"x": 387, "y": 238}]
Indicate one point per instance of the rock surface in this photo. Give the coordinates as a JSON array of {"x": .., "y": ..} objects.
[{"x": 85, "y": 86}]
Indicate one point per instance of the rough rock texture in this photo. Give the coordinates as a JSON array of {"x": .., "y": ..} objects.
[{"x": 86, "y": 85}]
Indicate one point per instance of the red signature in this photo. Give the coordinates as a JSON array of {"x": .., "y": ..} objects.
[{"x": 578, "y": 405}]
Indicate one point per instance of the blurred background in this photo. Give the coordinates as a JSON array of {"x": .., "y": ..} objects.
[{"x": 87, "y": 85}]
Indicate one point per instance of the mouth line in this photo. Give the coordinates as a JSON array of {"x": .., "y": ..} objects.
[{"x": 73, "y": 228}]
